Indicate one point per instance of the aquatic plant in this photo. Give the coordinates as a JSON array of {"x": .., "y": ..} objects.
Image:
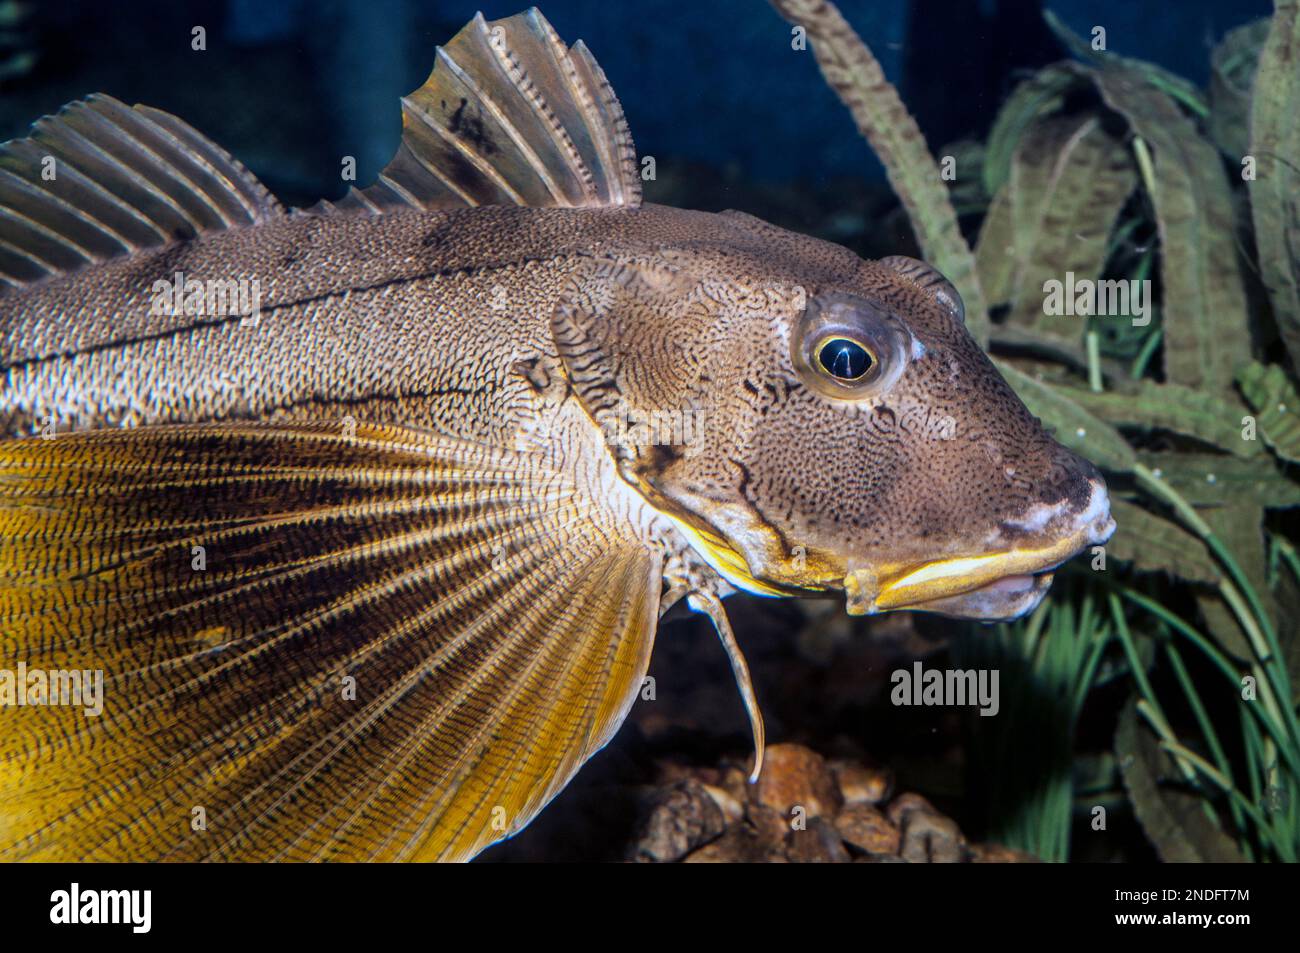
[{"x": 1105, "y": 175}]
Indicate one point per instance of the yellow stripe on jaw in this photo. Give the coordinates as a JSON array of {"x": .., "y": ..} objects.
[
  {"x": 952, "y": 577},
  {"x": 934, "y": 580},
  {"x": 724, "y": 560}
]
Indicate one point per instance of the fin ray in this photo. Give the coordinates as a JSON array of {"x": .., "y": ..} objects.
[
  {"x": 496, "y": 628},
  {"x": 99, "y": 179},
  {"x": 509, "y": 115}
]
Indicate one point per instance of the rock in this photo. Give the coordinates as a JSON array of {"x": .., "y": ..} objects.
[
  {"x": 681, "y": 818},
  {"x": 862, "y": 785},
  {"x": 770, "y": 825},
  {"x": 736, "y": 783},
  {"x": 741, "y": 844},
  {"x": 997, "y": 854},
  {"x": 819, "y": 843},
  {"x": 929, "y": 837},
  {"x": 794, "y": 776},
  {"x": 867, "y": 829},
  {"x": 670, "y": 772},
  {"x": 904, "y": 805},
  {"x": 710, "y": 814},
  {"x": 732, "y": 809}
]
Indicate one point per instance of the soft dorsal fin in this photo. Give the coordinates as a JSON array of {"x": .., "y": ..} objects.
[
  {"x": 509, "y": 116},
  {"x": 99, "y": 179}
]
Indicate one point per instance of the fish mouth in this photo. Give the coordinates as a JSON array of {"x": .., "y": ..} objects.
[
  {"x": 1006, "y": 597},
  {"x": 1004, "y": 584}
]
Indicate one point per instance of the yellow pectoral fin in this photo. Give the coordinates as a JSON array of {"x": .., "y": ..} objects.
[{"x": 381, "y": 645}]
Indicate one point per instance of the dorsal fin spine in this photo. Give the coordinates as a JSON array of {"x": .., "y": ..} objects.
[
  {"x": 370, "y": 206},
  {"x": 509, "y": 115},
  {"x": 410, "y": 197},
  {"x": 125, "y": 245},
  {"x": 251, "y": 195},
  {"x": 543, "y": 128},
  {"x": 23, "y": 254},
  {"x": 26, "y": 221},
  {"x": 105, "y": 157},
  {"x": 473, "y": 156},
  {"x": 511, "y": 70},
  {"x": 616, "y": 142},
  {"x": 124, "y": 181},
  {"x": 44, "y": 232},
  {"x": 559, "y": 135},
  {"x": 167, "y": 169},
  {"x": 68, "y": 168}
]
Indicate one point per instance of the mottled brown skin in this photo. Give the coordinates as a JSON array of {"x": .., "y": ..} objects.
[
  {"x": 443, "y": 320},
  {"x": 398, "y": 575}
]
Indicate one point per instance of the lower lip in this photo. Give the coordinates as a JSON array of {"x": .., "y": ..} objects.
[{"x": 1011, "y": 584}]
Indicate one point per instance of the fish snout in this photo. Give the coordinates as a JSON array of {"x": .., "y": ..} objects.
[
  {"x": 1094, "y": 523},
  {"x": 1009, "y": 572},
  {"x": 1071, "y": 503}
]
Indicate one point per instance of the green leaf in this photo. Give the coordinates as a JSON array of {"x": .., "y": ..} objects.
[
  {"x": 1072, "y": 425},
  {"x": 1207, "y": 334},
  {"x": 1042, "y": 94},
  {"x": 1174, "y": 819},
  {"x": 1277, "y": 407},
  {"x": 1221, "y": 624},
  {"x": 854, "y": 73},
  {"x": 1275, "y": 146},
  {"x": 1184, "y": 91},
  {"x": 1240, "y": 528},
  {"x": 1209, "y": 418},
  {"x": 967, "y": 187},
  {"x": 1154, "y": 544},
  {"x": 1232, "y": 74},
  {"x": 1069, "y": 180},
  {"x": 1211, "y": 479},
  {"x": 1069, "y": 352},
  {"x": 995, "y": 251},
  {"x": 1287, "y": 595}
]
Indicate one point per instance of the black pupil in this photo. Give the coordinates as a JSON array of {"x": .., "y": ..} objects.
[{"x": 844, "y": 359}]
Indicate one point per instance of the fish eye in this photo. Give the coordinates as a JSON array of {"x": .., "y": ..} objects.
[
  {"x": 849, "y": 348},
  {"x": 844, "y": 359}
]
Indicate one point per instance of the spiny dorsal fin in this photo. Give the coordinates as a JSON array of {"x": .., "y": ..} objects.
[
  {"x": 509, "y": 116},
  {"x": 99, "y": 179}
]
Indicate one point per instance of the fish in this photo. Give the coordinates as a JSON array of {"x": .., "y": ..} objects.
[{"x": 363, "y": 516}]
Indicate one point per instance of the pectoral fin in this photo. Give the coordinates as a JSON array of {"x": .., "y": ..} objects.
[{"x": 314, "y": 645}]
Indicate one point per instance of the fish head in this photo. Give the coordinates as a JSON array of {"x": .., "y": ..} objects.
[{"x": 814, "y": 422}]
